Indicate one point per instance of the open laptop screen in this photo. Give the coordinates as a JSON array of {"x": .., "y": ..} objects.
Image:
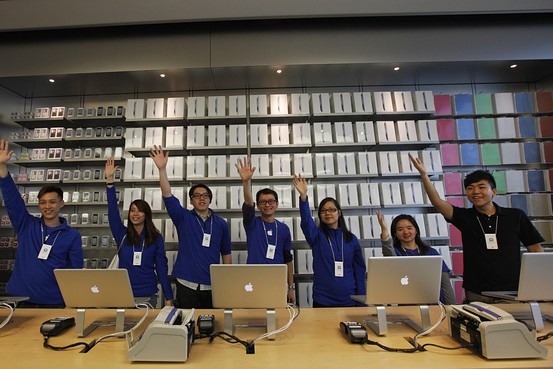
[
  {"x": 95, "y": 288},
  {"x": 255, "y": 286}
]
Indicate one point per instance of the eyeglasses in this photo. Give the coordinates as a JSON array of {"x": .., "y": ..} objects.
[
  {"x": 266, "y": 202},
  {"x": 329, "y": 210},
  {"x": 200, "y": 195}
]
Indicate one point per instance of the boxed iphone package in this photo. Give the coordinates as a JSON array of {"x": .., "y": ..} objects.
[
  {"x": 258, "y": 104},
  {"x": 155, "y": 108},
  {"x": 135, "y": 109},
  {"x": 196, "y": 107},
  {"x": 175, "y": 107},
  {"x": 237, "y": 105},
  {"x": 279, "y": 104},
  {"x": 216, "y": 106}
]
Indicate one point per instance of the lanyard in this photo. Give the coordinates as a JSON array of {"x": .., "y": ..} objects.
[
  {"x": 47, "y": 237},
  {"x": 202, "y": 228},
  {"x": 265, "y": 232},
  {"x": 482, "y": 228},
  {"x": 332, "y": 249}
]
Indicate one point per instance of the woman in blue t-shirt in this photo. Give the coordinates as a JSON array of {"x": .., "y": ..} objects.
[{"x": 405, "y": 240}]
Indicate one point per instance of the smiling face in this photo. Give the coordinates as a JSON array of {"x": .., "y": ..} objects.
[
  {"x": 136, "y": 217},
  {"x": 480, "y": 193},
  {"x": 50, "y": 205},
  {"x": 200, "y": 200},
  {"x": 405, "y": 231},
  {"x": 268, "y": 205},
  {"x": 329, "y": 214}
]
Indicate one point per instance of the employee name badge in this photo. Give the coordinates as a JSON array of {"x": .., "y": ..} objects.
[
  {"x": 137, "y": 258},
  {"x": 338, "y": 268},
  {"x": 491, "y": 241},
  {"x": 44, "y": 251},
  {"x": 271, "y": 252},
  {"x": 206, "y": 240}
]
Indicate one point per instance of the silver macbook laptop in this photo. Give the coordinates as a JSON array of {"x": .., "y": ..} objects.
[
  {"x": 403, "y": 280},
  {"x": 243, "y": 286},
  {"x": 536, "y": 272},
  {"x": 95, "y": 288}
]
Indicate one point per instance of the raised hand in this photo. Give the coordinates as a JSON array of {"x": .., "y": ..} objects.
[
  {"x": 418, "y": 164},
  {"x": 160, "y": 159},
  {"x": 5, "y": 152},
  {"x": 245, "y": 169},
  {"x": 301, "y": 185},
  {"x": 384, "y": 234},
  {"x": 110, "y": 169}
]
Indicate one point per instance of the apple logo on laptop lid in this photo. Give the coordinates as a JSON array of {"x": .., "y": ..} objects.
[
  {"x": 404, "y": 281},
  {"x": 95, "y": 289},
  {"x": 249, "y": 287}
]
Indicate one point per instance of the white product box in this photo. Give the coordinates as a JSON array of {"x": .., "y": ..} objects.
[
  {"x": 390, "y": 194},
  {"x": 303, "y": 164},
  {"x": 324, "y": 164},
  {"x": 427, "y": 130},
  {"x": 154, "y": 136},
  {"x": 261, "y": 162},
  {"x": 258, "y": 105},
  {"x": 388, "y": 162},
  {"x": 181, "y": 195},
  {"x": 219, "y": 199},
  {"x": 153, "y": 197},
  {"x": 75, "y": 196},
  {"x": 237, "y": 232},
  {"x": 175, "y": 168},
  {"x": 407, "y": 131},
  {"x": 108, "y": 152},
  {"x": 439, "y": 186},
  {"x": 405, "y": 163},
  {"x": 348, "y": 194},
  {"x": 323, "y": 133},
  {"x": 279, "y": 104},
  {"x": 281, "y": 165},
  {"x": 346, "y": 163},
  {"x": 436, "y": 225},
  {"x": 284, "y": 196},
  {"x": 386, "y": 132},
  {"x": 174, "y": 137},
  {"x": 511, "y": 153},
  {"x": 237, "y": 105},
  {"x": 134, "y": 138},
  {"x": 216, "y": 106},
  {"x": 195, "y": 136},
  {"x": 236, "y": 197},
  {"x": 44, "y": 133},
  {"x": 55, "y": 153},
  {"x": 403, "y": 101},
  {"x": 259, "y": 135},
  {"x": 515, "y": 181},
  {"x": 217, "y": 135},
  {"x": 130, "y": 195},
  {"x": 237, "y": 135},
  {"x": 235, "y": 160},
  {"x": 324, "y": 191},
  {"x": 301, "y": 134},
  {"x": 367, "y": 162},
  {"x": 134, "y": 168},
  {"x": 424, "y": 101},
  {"x": 170, "y": 232},
  {"x": 343, "y": 131},
  {"x": 175, "y": 107},
  {"x": 217, "y": 166},
  {"x": 300, "y": 104},
  {"x": 383, "y": 102},
  {"x": 135, "y": 109},
  {"x": 195, "y": 167},
  {"x": 412, "y": 193},
  {"x": 155, "y": 108},
  {"x": 298, "y": 233},
  {"x": 362, "y": 102},
  {"x": 370, "y": 227},
  {"x": 506, "y": 127},
  {"x": 289, "y": 221},
  {"x": 341, "y": 102},
  {"x": 370, "y": 194},
  {"x": 504, "y": 103},
  {"x": 196, "y": 107},
  {"x": 118, "y": 153},
  {"x": 280, "y": 134},
  {"x": 321, "y": 103},
  {"x": 57, "y": 112},
  {"x": 352, "y": 222},
  {"x": 304, "y": 261},
  {"x": 150, "y": 169},
  {"x": 56, "y": 132},
  {"x": 432, "y": 160}
]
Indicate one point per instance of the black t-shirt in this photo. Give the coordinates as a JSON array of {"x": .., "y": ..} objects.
[{"x": 493, "y": 270}]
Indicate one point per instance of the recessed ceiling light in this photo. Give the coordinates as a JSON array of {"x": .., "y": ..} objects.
[
  {"x": 51, "y": 80},
  {"x": 513, "y": 66},
  {"x": 279, "y": 71},
  {"x": 396, "y": 68},
  {"x": 162, "y": 75}
]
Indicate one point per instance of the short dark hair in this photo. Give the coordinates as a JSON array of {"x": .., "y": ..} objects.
[
  {"x": 266, "y": 191},
  {"x": 477, "y": 176},
  {"x": 50, "y": 188},
  {"x": 200, "y": 185}
]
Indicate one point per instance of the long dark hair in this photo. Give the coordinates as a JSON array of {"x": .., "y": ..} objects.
[
  {"x": 423, "y": 247},
  {"x": 150, "y": 230},
  {"x": 341, "y": 221}
]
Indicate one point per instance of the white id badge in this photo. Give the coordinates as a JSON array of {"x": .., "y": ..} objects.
[
  {"x": 137, "y": 258},
  {"x": 338, "y": 268},
  {"x": 491, "y": 241},
  {"x": 270, "y": 252},
  {"x": 207, "y": 240},
  {"x": 44, "y": 251}
]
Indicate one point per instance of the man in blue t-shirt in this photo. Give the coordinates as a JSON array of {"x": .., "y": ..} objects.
[{"x": 269, "y": 240}]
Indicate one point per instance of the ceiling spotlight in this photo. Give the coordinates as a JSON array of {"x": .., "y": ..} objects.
[
  {"x": 513, "y": 66},
  {"x": 279, "y": 71},
  {"x": 51, "y": 80},
  {"x": 396, "y": 68},
  {"x": 162, "y": 75}
]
